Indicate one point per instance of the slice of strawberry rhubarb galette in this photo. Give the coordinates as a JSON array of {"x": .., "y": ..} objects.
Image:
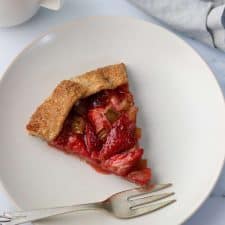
[{"x": 93, "y": 116}]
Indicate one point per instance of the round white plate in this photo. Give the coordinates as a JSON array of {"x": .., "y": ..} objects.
[{"x": 181, "y": 111}]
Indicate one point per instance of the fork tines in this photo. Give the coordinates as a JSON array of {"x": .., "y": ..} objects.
[{"x": 142, "y": 200}]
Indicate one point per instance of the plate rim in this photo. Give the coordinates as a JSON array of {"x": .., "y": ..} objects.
[{"x": 72, "y": 23}]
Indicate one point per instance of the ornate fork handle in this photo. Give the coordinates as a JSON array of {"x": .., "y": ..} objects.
[{"x": 28, "y": 216}]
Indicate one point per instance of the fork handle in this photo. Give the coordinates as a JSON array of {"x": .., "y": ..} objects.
[{"x": 33, "y": 215}]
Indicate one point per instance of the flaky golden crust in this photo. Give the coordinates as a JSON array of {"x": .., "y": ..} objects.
[
  {"x": 47, "y": 121},
  {"x": 108, "y": 77}
]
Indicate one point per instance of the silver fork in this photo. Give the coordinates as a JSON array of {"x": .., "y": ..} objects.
[{"x": 124, "y": 205}]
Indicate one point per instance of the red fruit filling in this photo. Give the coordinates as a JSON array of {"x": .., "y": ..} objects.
[
  {"x": 121, "y": 164},
  {"x": 120, "y": 138},
  {"x": 101, "y": 129}
]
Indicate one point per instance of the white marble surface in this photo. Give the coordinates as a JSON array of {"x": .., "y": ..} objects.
[{"x": 13, "y": 40}]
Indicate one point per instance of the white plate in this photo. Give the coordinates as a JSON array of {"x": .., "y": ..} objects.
[{"x": 181, "y": 113}]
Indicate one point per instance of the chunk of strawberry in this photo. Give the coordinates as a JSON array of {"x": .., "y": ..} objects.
[
  {"x": 60, "y": 142},
  {"x": 122, "y": 102},
  {"x": 76, "y": 145},
  {"x": 121, "y": 137},
  {"x": 140, "y": 177},
  {"x": 98, "y": 119},
  {"x": 95, "y": 155},
  {"x": 132, "y": 113},
  {"x": 92, "y": 141},
  {"x": 121, "y": 164}
]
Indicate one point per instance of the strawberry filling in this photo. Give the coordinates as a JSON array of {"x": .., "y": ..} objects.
[
  {"x": 120, "y": 138},
  {"x": 101, "y": 129},
  {"x": 121, "y": 164}
]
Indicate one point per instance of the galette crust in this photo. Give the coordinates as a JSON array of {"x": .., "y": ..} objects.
[
  {"x": 48, "y": 119},
  {"x": 108, "y": 77}
]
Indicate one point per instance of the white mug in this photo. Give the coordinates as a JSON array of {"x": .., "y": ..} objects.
[{"x": 14, "y": 12}]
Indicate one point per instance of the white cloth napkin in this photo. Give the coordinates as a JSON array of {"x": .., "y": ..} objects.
[{"x": 203, "y": 20}]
